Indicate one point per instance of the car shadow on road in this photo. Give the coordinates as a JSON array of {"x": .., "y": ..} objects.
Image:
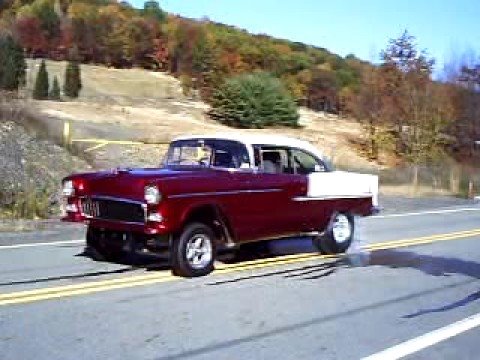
[
  {"x": 67, "y": 277},
  {"x": 460, "y": 303},
  {"x": 316, "y": 271},
  {"x": 136, "y": 261},
  {"x": 438, "y": 266},
  {"x": 395, "y": 259},
  {"x": 428, "y": 264}
]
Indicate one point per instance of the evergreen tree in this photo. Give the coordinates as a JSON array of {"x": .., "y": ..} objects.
[
  {"x": 204, "y": 67},
  {"x": 12, "y": 64},
  {"x": 152, "y": 9},
  {"x": 40, "y": 91},
  {"x": 55, "y": 90},
  {"x": 254, "y": 101},
  {"x": 73, "y": 82}
]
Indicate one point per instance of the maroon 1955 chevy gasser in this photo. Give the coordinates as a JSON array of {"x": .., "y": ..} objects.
[{"x": 220, "y": 191}]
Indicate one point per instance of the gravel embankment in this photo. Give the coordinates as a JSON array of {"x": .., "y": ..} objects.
[{"x": 28, "y": 163}]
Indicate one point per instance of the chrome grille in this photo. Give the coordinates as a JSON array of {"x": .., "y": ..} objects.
[{"x": 113, "y": 209}]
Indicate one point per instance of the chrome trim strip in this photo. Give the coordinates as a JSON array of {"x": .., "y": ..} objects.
[
  {"x": 112, "y": 198},
  {"x": 221, "y": 193},
  {"x": 115, "y": 221},
  {"x": 331, "y": 197}
]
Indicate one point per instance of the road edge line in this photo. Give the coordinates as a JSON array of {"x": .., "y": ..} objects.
[{"x": 426, "y": 340}]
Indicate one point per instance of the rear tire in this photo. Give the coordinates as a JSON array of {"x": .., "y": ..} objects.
[
  {"x": 193, "y": 251},
  {"x": 338, "y": 236}
]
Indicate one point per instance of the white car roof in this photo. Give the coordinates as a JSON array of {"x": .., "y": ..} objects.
[{"x": 259, "y": 139}]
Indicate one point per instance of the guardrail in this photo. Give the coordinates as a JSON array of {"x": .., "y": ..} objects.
[{"x": 99, "y": 143}]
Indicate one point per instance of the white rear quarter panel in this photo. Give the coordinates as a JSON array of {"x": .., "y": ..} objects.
[{"x": 338, "y": 184}]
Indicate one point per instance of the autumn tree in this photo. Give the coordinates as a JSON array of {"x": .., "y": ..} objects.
[
  {"x": 322, "y": 91},
  {"x": 419, "y": 116},
  {"x": 204, "y": 66},
  {"x": 85, "y": 31},
  {"x": 73, "y": 82},
  {"x": 44, "y": 11},
  {"x": 12, "y": 64},
  {"x": 41, "y": 88},
  {"x": 254, "y": 101},
  {"x": 138, "y": 41},
  {"x": 29, "y": 33},
  {"x": 467, "y": 127},
  {"x": 110, "y": 34},
  {"x": 368, "y": 105}
]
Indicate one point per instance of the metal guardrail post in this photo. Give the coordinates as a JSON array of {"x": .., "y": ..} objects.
[{"x": 67, "y": 136}]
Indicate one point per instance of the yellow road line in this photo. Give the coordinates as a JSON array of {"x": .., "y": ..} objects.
[
  {"x": 95, "y": 147},
  {"x": 101, "y": 141},
  {"x": 421, "y": 240},
  {"x": 92, "y": 284},
  {"x": 165, "y": 276}
]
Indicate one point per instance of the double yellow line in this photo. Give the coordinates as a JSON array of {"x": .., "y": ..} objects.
[
  {"x": 165, "y": 276},
  {"x": 422, "y": 240}
]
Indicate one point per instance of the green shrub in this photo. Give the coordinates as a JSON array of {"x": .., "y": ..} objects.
[
  {"x": 26, "y": 201},
  {"x": 73, "y": 81},
  {"x": 40, "y": 92},
  {"x": 186, "y": 84},
  {"x": 12, "y": 64},
  {"x": 55, "y": 90},
  {"x": 255, "y": 100}
]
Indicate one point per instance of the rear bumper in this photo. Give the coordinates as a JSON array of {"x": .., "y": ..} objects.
[{"x": 375, "y": 210}]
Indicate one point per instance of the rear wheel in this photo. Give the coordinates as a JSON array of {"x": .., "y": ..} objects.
[
  {"x": 193, "y": 251},
  {"x": 338, "y": 237}
]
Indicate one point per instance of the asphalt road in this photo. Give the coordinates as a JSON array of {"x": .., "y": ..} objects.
[{"x": 406, "y": 277}]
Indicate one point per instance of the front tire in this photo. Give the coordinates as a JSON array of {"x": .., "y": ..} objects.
[
  {"x": 98, "y": 248},
  {"x": 193, "y": 251},
  {"x": 338, "y": 236}
]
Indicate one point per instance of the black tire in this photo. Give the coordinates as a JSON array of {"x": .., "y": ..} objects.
[
  {"x": 330, "y": 242},
  {"x": 98, "y": 249},
  {"x": 184, "y": 245}
]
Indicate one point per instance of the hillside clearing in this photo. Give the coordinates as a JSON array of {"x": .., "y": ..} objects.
[{"x": 141, "y": 105}]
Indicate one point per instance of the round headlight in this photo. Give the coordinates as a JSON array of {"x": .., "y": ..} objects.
[
  {"x": 68, "y": 188},
  {"x": 152, "y": 195}
]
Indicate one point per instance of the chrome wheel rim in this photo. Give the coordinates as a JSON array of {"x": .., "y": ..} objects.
[
  {"x": 342, "y": 229},
  {"x": 199, "y": 251}
]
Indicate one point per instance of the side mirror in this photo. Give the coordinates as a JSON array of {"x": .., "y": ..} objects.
[{"x": 319, "y": 168}]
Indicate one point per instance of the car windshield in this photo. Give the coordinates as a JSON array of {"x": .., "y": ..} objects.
[
  {"x": 189, "y": 153},
  {"x": 218, "y": 153}
]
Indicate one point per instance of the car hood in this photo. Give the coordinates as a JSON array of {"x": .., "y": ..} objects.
[{"x": 129, "y": 183}]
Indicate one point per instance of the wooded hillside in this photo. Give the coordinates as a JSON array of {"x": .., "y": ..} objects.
[{"x": 402, "y": 109}]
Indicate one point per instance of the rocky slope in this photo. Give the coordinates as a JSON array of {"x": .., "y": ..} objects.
[{"x": 30, "y": 172}]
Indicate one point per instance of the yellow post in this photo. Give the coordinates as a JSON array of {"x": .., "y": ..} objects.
[
  {"x": 471, "y": 194},
  {"x": 66, "y": 134}
]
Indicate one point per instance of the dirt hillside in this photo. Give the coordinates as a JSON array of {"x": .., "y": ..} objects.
[{"x": 139, "y": 105}]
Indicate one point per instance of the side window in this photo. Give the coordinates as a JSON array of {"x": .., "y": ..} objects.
[
  {"x": 272, "y": 160},
  {"x": 230, "y": 154},
  {"x": 305, "y": 163}
]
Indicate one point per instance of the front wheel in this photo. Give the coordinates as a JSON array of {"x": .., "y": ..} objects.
[
  {"x": 193, "y": 252},
  {"x": 338, "y": 236},
  {"x": 98, "y": 247}
]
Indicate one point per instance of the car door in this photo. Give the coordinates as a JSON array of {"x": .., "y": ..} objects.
[
  {"x": 313, "y": 211},
  {"x": 272, "y": 188}
]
